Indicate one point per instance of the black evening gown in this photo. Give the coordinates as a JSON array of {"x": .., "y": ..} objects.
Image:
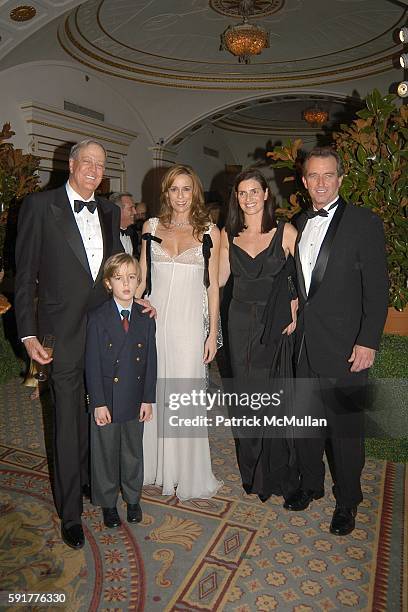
[{"x": 266, "y": 463}]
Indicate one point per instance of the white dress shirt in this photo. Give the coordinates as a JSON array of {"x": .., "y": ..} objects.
[
  {"x": 120, "y": 308},
  {"x": 90, "y": 230},
  {"x": 91, "y": 233},
  {"x": 311, "y": 241},
  {"x": 127, "y": 244}
]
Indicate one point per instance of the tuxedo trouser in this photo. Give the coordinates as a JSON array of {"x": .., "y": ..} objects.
[
  {"x": 116, "y": 462},
  {"x": 340, "y": 402},
  {"x": 71, "y": 440}
]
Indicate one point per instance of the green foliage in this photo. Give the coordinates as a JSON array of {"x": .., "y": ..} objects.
[
  {"x": 374, "y": 152},
  {"x": 10, "y": 365},
  {"x": 391, "y": 362},
  {"x": 392, "y": 359},
  {"x": 288, "y": 156},
  {"x": 375, "y": 156},
  {"x": 18, "y": 177}
]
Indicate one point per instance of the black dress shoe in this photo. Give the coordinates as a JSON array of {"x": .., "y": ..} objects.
[
  {"x": 134, "y": 513},
  {"x": 301, "y": 499},
  {"x": 111, "y": 518},
  {"x": 343, "y": 521},
  {"x": 86, "y": 491},
  {"x": 73, "y": 535}
]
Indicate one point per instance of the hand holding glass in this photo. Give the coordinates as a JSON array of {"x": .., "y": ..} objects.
[{"x": 48, "y": 345}]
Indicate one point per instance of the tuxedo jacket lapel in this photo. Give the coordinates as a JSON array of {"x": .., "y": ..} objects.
[
  {"x": 63, "y": 214},
  {"x": 325, "y": 250},
  {"x": 105, "y": 219},
  {"x": 299, "y": 271}
]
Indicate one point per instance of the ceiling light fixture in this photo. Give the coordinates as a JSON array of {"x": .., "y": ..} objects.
[
  {"x": 403, "y": 34},
  {"x": 403, "y": 89},
  {"x": 315, "y": 116},
  {"x": 245, "y": 39},
  {"x": 404, "y": 60}
]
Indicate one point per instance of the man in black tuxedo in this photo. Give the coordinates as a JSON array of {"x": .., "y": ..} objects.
[
  {"x": 64, "y": 237},
  {"x": 343, "y": 297},
  {"x": 128, "y": 233}
]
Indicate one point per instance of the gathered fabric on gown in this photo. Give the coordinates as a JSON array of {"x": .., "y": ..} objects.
[
  {"x": 179, "y": 296},
  {"x": 263, "y": 461}
]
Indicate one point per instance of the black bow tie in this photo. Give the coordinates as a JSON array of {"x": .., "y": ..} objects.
[
  {"x": 311, "y": 213},
  {"x": 124, "y": 232},
  {"x": 79, "y": 205}
]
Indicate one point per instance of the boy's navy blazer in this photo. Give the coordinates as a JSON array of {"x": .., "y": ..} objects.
[{"x": 120, "y": 367}]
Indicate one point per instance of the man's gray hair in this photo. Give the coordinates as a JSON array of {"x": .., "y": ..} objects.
[
  {"x": 76, "y": 148},
  {"x": 116, "y": 197}
]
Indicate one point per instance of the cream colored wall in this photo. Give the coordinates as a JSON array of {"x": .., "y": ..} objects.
[
  {"x": 192, "y": 152},
  {"x": 152, "y": 111},
  {"x": 51, "y": 83}
]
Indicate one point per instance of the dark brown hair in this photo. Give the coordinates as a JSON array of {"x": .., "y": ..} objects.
[
  {"x": 324, "y": 152},
  {"x": 235, "y": 223}
]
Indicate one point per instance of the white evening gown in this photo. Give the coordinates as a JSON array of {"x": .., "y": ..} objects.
[{"x": 177, "y": 294}]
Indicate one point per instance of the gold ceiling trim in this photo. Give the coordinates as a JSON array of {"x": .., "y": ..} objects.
[
  {"x": 191, "y": 61},
  {"x": 260, "y": 127},
  {"x": 23, "y": 13},
  {"x": 178, "y": 77},
  {"x": 203, "y": 88}
]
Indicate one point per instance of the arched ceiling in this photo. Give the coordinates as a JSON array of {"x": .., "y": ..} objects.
[
  {"x": 280, "y": 114},
  {"x": 314, "y": 44},
  {"x": 177, "y": 42},
  {"x": 19, "y": 20}
]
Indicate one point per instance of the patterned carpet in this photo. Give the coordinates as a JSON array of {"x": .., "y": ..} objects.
[{"x": 229, "y": 553}]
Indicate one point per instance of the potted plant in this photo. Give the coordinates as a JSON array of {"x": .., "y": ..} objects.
[
  {"x": 375, "y": 156},
  {"x": 18, "y": 177}
]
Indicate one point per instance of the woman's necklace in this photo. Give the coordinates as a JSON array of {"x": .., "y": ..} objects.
[{"x": 182, "y": 224}]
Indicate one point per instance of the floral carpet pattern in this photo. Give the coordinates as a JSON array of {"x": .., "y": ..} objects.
[{"x": 228, "y": 553}]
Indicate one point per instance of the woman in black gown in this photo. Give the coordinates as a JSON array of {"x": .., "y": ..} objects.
[{"x": 258, "y": 252}]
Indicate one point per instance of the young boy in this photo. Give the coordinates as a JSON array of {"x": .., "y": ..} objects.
[{"x": 120, "y": 367}]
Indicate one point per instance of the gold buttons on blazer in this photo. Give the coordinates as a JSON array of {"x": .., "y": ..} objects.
[
  {"x": 139, "y": 345},
  {"x": 116, "y": 379}
]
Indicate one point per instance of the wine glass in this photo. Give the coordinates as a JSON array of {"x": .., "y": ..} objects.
[{"x": 48, "y": 345}]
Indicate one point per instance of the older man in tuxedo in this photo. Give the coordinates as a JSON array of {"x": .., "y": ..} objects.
[
  {"x": 64, "y": 237},
  {"x": 128, "y": 234},
  {"x": 343, "y": 297}
]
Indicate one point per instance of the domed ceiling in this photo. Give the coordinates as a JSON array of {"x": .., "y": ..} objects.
[{"x": 177, "y": 43}]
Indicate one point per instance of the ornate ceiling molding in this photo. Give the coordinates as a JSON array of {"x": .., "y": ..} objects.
[
  {"x": 18, "y": 21},
  {"x": 97, "y": 37},
  {"x": 271, "y": 115},
  {"x": 262, "y": 8},
  {"x": 23, "y": 13}
]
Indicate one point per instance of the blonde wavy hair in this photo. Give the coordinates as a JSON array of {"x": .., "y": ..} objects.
[{"x": 199, "y": 217}]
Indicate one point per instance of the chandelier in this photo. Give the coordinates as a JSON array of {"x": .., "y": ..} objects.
[
  {"x": 244, "y": 40},
  {"x": 315, "y": 116}
]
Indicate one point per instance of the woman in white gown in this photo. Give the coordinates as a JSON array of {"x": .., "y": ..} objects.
[{"x": 183, "y": 287}]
